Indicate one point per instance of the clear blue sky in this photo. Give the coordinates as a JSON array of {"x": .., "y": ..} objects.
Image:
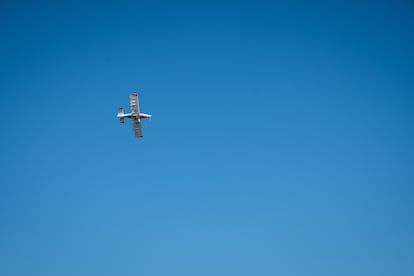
[{"x": 281, "y": 141}]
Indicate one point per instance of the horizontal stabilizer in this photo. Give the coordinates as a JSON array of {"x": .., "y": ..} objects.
[{"x": 121, "y": 115}]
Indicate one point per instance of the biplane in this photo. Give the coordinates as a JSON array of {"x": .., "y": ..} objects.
[{"x": 134, "y": 114}]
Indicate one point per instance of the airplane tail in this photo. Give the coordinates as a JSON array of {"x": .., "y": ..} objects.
[{"x": 121, "y": 114}]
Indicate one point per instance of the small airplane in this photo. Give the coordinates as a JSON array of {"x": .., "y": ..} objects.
[{"x": 135, "y": 115}]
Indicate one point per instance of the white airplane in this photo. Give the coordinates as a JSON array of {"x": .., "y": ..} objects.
[{"x": 135, "y": 115}]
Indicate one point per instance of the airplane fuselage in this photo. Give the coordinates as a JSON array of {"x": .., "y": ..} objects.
[{"x": 131, "y": 115}]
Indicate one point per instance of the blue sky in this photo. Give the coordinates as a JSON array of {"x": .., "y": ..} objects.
[{"x": 281, "y": 141}]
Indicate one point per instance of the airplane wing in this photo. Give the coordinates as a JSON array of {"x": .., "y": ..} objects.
[
  {"x": 136, "y": 123},
  {"x": 133, "y": 103}
]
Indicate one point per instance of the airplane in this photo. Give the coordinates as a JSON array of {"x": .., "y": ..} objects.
[{"x": 135, "y": 115}]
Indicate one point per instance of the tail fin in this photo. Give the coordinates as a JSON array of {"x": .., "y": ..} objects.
[{"x": 121, "y": 114}]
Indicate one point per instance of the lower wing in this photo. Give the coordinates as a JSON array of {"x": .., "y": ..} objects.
[{"x": 137, "y": 127}]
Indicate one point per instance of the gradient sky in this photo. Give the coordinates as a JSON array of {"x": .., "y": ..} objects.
[{"x": 281, "y": 141}]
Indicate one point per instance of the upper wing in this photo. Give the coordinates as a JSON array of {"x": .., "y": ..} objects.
[
  {"x": 136, "y": 123},
  {"x": 134, "y": 104}
]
